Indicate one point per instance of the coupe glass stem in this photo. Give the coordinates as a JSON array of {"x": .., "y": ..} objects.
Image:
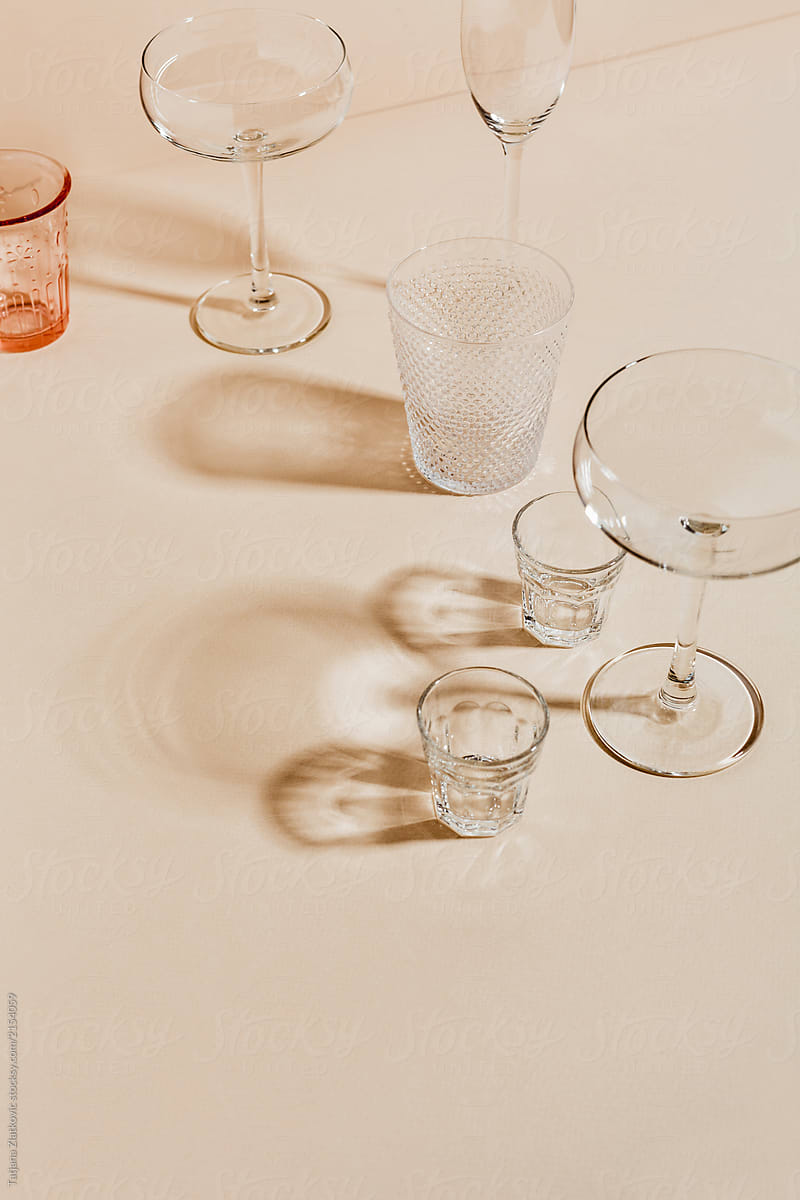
[
  {"x": 263, "y": 296},
  {"x": 679, "y": 691},
  {"x": 513, "y": 156}
]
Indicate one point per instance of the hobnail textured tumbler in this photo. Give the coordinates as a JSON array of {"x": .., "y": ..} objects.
[{"x": 478, "y": 326}]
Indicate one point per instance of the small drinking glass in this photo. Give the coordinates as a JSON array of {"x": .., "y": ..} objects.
[
  {"x": 482, "y": 730},
  {"x": 478, "y": 326},
  {"x": 567, "y": 570},
  {"x": 34, "y": 283}
]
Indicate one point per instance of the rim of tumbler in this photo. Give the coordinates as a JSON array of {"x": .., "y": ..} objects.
[
  {"x": 506, "y": 341},
  {"x": 776, "y": 362},
  {"x": 500, "y": 762},
  {"x": 228, "y": 12},
  {"x": 604, "y": 566},
  {"x": 63, "y": 192}
]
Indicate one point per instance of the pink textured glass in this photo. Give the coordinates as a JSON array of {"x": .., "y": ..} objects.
[{"x": 34, "y": 276}]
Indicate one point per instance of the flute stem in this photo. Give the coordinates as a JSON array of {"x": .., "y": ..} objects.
[{"x": 513, "y": 157}]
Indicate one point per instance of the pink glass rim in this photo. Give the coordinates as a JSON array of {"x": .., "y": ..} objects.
[{"x": 57, "y": 200}]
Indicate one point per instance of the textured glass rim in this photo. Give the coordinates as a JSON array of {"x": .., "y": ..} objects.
[
  {"x": 605, "y": 566},
  {"x": 506, "y": 341},
  {"x": 248, "y": 104},
  {"x": 514, "y": 759},
  {"x": 776, "y": 362},
  {"x": 53, "y": 204}
]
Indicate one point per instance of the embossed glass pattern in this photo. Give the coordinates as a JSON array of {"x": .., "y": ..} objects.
[
  {"x": 34, "y": 279},
  {"x": 478, "y": 326},
  {"x": 482, "y": 731}
]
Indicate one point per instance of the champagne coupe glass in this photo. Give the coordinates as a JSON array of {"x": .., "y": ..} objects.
[
  {"x": 244, "y": 86},
  {"x": 690, "y": 460},
  {"x": 516, "y": 56}
]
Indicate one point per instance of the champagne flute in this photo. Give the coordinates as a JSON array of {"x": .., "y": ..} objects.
[{"x": 516, "y": 56}]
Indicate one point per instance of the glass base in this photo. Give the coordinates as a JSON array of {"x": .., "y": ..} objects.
[
  {"x": 464, "y": 487},
  {"x": 223, "y": 316},
  {"x": 477, "y": 812},
  {"x": 623, "y": 713},
  {"x": 466, "y": 826},
  {"x": 548, "y": 635},
  {"x": 26, "y": 325},
  {"x": 476, "y": 828}
]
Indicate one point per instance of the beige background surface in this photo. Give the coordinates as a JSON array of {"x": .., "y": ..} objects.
[{"x": 249, "y": 967}]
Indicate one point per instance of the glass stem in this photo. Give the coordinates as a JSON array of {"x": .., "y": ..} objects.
[
  {"x": 679, "y": 690},
  {"x": 263, "y": 297},
  {"x": 513, "y": 156}
]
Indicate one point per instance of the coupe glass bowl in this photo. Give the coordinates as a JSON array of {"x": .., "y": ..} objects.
[
  {"x": 245, "y": 86},
  {"x": 690, "y": 460}
]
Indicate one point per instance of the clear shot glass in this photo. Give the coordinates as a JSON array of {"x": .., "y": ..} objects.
[
  {"x": 34, "y": 279},
  {"x": 568, "y": 569},
  {"x": 482, "y": 731}
]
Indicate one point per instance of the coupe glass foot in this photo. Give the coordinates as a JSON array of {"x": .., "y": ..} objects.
[
  {"x": 224, "y": 316},
  {"x": 622, "y": 711}
]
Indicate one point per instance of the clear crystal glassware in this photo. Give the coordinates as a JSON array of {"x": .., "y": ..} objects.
[
  {"x": 245, "y": 86},
  {"x": 478, "y": 326},
  {"x": 516, "y": 56},
  {"x": 691, "y": 461},
  {"x": 567, "y": 568},
  {"x": 482, "y": 731},
  {"x": 34, "y": 272}
]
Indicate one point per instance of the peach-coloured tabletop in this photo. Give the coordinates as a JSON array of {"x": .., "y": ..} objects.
[{"x": 247, "y": 963}]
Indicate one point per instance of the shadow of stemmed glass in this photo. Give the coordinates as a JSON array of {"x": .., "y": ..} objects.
[
  {"x": 244, "y": 424},
  {"x": 429, "y": 609},
  {"x": 353, "y": 795},
  {"x": 145, "y": 291},
  {"x": 111, "y": 223},
  {"x": 215, "y": 689},
  {"x": 162, "y": 245}
]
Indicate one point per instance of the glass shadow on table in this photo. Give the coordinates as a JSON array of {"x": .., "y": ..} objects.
[
  {"x": 427, "y": 609},
  {"x": 109, "y": 223},
  {"x": 253, "y": 688},
  {"x": 245, "y": 425},
  {"x": 349, "y": 795},
  {"x": 435, "y": 612},
  {"x": 211, "y": 682}
]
